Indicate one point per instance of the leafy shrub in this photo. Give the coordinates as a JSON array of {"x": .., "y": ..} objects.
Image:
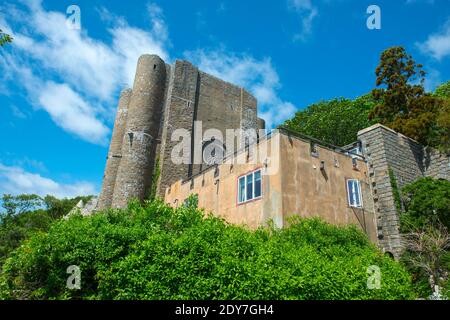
[
  {"x": 26, "y": 214},
  {"x": 426, "y": 201},
  {"x": 152, "y": 251}
]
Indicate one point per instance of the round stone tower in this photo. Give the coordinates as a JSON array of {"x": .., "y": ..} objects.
[
  {"x": 139, "y": 140},
  {"x": 115, "y": 151}
]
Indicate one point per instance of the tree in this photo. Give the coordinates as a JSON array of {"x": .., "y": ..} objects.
[
  {"x": 26, "y": 214},
  {"x": 429, "y": 246},
  {"x": 402, "y": 103},
  {"x": 425, "y": 223},
  {"x": 443, "y": 91},
  {"x": 426, "y": 202},
  {"x": 57, "y": 208},
  {"x": 335, "y": 121},
  {"x": 4, "y": 38},
  {"x": 15, "y": 205}
]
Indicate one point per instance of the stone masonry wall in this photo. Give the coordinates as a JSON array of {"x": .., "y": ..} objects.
[
  {"x": 164, "y": 99},
  {"x": 134, "y": 176},
  {"x": 437, "y": 165},
  {"x": 386, "y": 149},
  {"x": 115, "y": 151},
  {"x": 179, "y": 113}
]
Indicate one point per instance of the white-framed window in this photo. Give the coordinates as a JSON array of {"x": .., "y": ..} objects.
[
  {"x": 354, "y": 193},
  {"x": 249, "y": 186}
]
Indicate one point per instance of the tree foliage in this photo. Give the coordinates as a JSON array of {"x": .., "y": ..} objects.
[
  {"x": 23, "y": 215},
  {"x": 428, "y": 248},
  {"x": 402, "y": 103},
  {"x": 152, "y": 251},
  {"x": 425, "y": 224},
  {"x": 443, "y": 91},
  {"x": 4, "y": 38},
  {"x": 335, "y": 121},
  {"x": 426, "y": 202}
]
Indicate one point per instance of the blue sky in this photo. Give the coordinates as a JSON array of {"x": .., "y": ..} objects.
[{"x": 59, "y": 86}]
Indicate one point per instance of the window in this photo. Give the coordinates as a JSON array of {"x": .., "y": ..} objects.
[
  {"x": 354, "y": 193},
  {"x": 241, "y": 187},
  {"x": 249, "y": 187},
  {"x": 313, "y": 149}
]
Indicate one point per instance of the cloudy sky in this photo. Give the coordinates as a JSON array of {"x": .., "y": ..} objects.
[{"x": 59, "y": 86}]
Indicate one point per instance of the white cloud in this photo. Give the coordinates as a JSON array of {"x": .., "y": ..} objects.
[
  {"x": 92, "y": 71},
  {"x": 307, "y": 12},
  {"x": 15, "y": 180},
  {"x": 64, "y": 105},
  {"x": 258, "y": 76},
  {"x": 438, "y": 44}
]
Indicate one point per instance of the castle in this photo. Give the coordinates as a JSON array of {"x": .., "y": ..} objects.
[{"x": 260, "y": 178}]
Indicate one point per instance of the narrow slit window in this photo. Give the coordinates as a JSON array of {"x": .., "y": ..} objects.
[
  {"x": 249, "y": 187},
  {"x": 354, "y": 193},
  {"x": 241, "y": 189},
  {"x": 257, "y": 183}
]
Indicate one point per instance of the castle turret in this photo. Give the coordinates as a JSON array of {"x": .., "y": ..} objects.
[
  {"x": 139, "y": 140},
  {"x": 115, "y": 151}
]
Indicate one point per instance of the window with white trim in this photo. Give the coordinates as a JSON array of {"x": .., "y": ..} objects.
[
  {"x": 354, "y": 193},
  {"x": 249, "y": 186}
]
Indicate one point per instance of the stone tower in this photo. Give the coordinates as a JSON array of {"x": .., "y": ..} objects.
[
  {"x": 115, "y": 151},
  {"x": 165, "y": 98}
]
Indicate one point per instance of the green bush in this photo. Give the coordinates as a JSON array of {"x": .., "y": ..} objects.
[
  {"x": 24, "y": 215},
  {"x": 152, "y": 251},
  {"x": 426, "y": 201}
]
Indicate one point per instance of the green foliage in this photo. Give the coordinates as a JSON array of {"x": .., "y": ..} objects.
[
  {"x": 426, "y": 202},
  {"x": 152, "y": 251},
  {"x": 336, "y": 121},
  {"x": 191, "y": 201},
  {"x": 427, "y": 210},
  {"x": 14, "y": 205},
  {"x": 402, "y": 103},
  {"x": 4, "y": 38},
  {"x": 443, "y": 91},
  {"x": 24, "y": 215}
]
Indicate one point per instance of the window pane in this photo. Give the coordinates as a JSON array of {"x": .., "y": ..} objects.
[
  {"x": 241, "y": 189},
  {"x": 257, "y": 176},
  {"x": 354, "y": 196},
  {"x": 357, "y": 199},
  {"x": 250, "y": 186},
  {"x": 350, "y": 187}
]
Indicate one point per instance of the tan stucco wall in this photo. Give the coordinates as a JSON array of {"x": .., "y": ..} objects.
[
  {"x": 219, "y": 194},
  {"x": 292, "y": 184},
  {"x": 309, "y": 191}
]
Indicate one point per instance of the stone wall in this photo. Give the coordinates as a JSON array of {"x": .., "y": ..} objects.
[
  {"x": 195, "y": 96},
  {"x": 115, "y": 151},
  {"x": 166, "y": 98},
  {"x": 178, "y": 114},
  {"x": 436, "y": 164},
  {"x": 386, "y": 149},
  {"x": 134, "y": 176}
]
